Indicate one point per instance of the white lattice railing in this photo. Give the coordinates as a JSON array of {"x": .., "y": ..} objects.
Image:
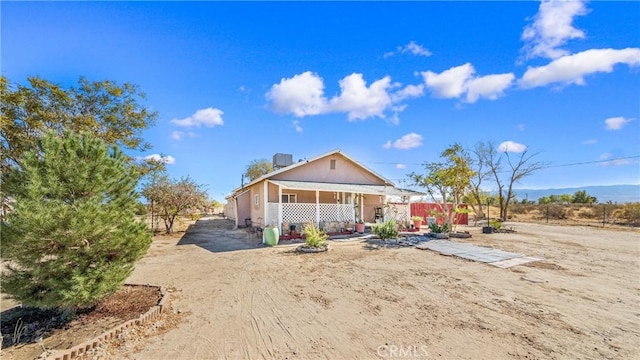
[
  {"x": 298, "y": 212},
  {"x": 337, "y": 212},
  {"x": 307, "y": 212}
]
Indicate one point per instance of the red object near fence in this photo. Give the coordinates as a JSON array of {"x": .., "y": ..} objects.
[{"x": 424, "y": 210}]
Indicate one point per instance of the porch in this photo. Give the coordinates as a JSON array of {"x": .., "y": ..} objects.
[{"x": 335, "y": 208}]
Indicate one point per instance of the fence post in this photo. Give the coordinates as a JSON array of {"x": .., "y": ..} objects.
[
  {"x": 547, "y": 213},
  {"x": 604, "y": 214}
]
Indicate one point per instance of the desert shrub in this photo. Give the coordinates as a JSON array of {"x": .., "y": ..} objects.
[
  {"x": 386, "y": 230},
  {"x": 315, "y": 237},
  {"x": 554, "y": 211},
  {"x": 629, "y": 213},
  {"x": 590, "y": 212},
  {"x": 519, "y": 209},
  {"x": 72, "y": 237}
]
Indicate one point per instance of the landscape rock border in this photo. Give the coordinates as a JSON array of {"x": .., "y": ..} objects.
[
  {"x": 311, "y": 250},
  {"x": 150, "y": 315}
]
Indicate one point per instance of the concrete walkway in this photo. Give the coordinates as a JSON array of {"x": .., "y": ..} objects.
[{"x": 491, "y": 256}]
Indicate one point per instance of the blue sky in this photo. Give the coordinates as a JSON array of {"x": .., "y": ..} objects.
[{"x": 390, "y": 84}]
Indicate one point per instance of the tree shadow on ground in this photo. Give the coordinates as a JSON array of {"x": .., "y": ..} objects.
[{"x": 218, "y": 235}]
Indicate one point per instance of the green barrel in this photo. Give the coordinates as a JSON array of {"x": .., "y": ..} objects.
[{"x": 270, "y": 236}]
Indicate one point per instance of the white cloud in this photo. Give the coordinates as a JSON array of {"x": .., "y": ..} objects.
[
  {"x": 616, "y": 123},
  {"x": 300, "y": 95},
  {"x": 490, "y": 87},
  {"x": 571, "y": 69},
  {"x": 614, "y": 162},
  {"x": 409, "y": 91},
  {"x": 303, "y": 95},
  {"x": 458, "y": 80},
  {"x": 551, "y": 28},
  {"x": 408, "y": 141},
  {"x": 179, "y": 135},
  {"x": 168, "y": 159},
  {"x": 208, "y": 117},
  {"x": 521, "y": 127},
  {"x": 449, "y": 83},
  {"x": 296, "y": 124},
  {"x": 360, "y": 101},
  {"x": 511, "y": 146},
  {"x": 414, "y": 49},
  {"x": 401, "y": 166},
  {"x": 590, "y": 142}
]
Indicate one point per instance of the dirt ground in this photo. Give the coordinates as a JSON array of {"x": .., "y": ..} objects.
[{"x": 362, "y": 302}]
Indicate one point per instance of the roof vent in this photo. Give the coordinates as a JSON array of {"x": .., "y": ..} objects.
[{"x": 282, "y": 160}]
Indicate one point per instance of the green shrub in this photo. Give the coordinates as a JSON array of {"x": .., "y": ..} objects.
[
  {"x": 437, "y": 229},
  {"x": 315, "y": 237},
  {"x": 386, "y": 230},
  {"x": 72, "y": 238},
  {"x": 496, "y": 224}
]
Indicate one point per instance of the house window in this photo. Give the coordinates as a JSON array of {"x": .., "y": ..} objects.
[
  {"x": 332, "y": 164},
  {"x": 289, "y": 198},
  {"x": 256, "y": 199}
]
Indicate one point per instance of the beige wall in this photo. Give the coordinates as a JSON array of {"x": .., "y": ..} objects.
[
  {"x": 244, "y": 208},
  {"x": 346, "y": 172},
  {"x": 257, "y": 211}
]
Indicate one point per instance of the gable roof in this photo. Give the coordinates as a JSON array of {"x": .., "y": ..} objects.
[{"x": 301, "y": 163}]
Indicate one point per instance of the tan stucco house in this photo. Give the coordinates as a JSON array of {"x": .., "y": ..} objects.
[{"x": 331, "y": 190}]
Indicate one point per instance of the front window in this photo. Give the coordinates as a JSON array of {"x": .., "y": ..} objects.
[{"x": 289, "y": 198}]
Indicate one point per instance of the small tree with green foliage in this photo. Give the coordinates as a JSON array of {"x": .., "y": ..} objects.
[
  {"x": 71, "y": 237},
  {"x": 257, "y": 168},
  {"x": 447, "y": 180},
  {"x": 581, "y": 197}
]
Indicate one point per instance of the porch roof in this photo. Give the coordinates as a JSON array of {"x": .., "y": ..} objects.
[{"x": 352, "y": 188}]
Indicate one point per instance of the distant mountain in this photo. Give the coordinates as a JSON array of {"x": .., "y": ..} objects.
[{"x": 615, "y": 193}]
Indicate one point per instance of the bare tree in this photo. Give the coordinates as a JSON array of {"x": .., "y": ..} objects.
[
  {"x": 173, "y": 198},
  {"x": 482, "y": 173},
  {"x": 516, "y": 166}
]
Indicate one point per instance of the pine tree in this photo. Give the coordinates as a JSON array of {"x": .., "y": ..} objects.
[{"x": 71, "y": 237}]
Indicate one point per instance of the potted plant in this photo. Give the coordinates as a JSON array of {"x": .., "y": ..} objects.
[
  {"x": 417, "y": 221},
  {"x": 360, "y": 226}
]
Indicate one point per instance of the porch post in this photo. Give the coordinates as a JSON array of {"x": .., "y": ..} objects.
[
  {"x": 384, "y": 202},
  {"x": 265, "y": 201},
  {"x": 235, "y": 210},
  {"x": 280, "y": 209},
  {"x": 318, "y": 208}
]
